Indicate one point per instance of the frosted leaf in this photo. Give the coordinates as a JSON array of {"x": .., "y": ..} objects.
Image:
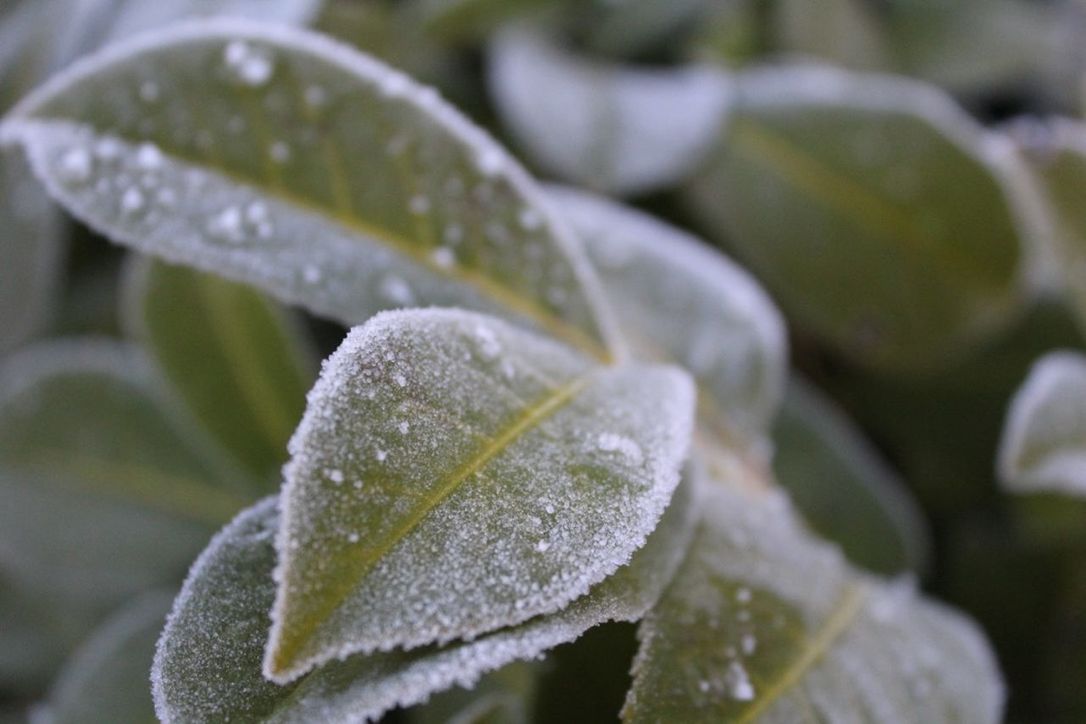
[
  {"x": 678, "y": 299},
  {"x": 821, "y": 172},
  {"x": 764, "y": 623},
  {"x": 31, "y": 247},
  {"x": 843, "y": 488},
  {"x": 208, "y": 665},
  {"x": 240, "y": 365},
  {"x": 1043, "y": 439},
  {"x": 448, "y": 521},
  {"x": 106, "y": 677},
  {"x": 342, "y": 205},
  {"x": 96, "y": 512},
  {"x": 616, "y": 129}
]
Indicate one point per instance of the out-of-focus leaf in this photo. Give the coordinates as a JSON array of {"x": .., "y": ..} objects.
[
  {"x": 971, "y": 45},
  {"x": 30, "y": 252},
  {"x": 735, "y": 32},
  {"x": 454, "y": 475},
  {"x": 1044, "y": 441},
  {"x": 634, "y": 27},
  {"x": 1057, "y": 155},
  {"x": 473, "y": 19},
  {"x": 874, "y": 209},
  {"x": 677, "y": 299},
  {"x": 37, "y": 630},
  {"x": 104, "y": 495},
  {"x": 504, "y": 696},
  {"x": 293, "y": 163},
  {"x": 845, "y": 32},
  {"x": 26, "y": 40},
  {"x": 238, "y": 362},
  {"x": 844, "y": 490},
  {"x": 616, "y": 129},
  {"x": 208, "y": 664},
  {"x": 763, "y": 623},
  {"x": 106, "y": 680}
]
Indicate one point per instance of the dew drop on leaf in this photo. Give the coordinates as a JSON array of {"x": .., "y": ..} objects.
[{"x": 247, "y": 64}]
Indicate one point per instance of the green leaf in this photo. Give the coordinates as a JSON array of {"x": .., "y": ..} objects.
[
  {"x": 844, "y": 32},
  {"x": 288, "y": 161},
  {"x": 453, "y": 475},
  {"x": 106, "y": 678},
  {"x": 763, "y": 623},
  {"x": 104, "y": 494},
  {"x": 880, "y": 216},
  {"x": 731, "y": 337},
  {"x": 238, "y": 362},
  {"x": 208, "y": 664},
  {"x": 1043, "y": 441},
  {"x": 843, "y": 488},
  {"x": 634, "y": 28},
  {"x": 30, "y": 253},
  {"x": 618, "y": 129},
  {"x": 1057, "y": 154}
]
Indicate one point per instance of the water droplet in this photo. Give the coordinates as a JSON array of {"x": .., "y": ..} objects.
[
  {"x": 743, "y": 595},
  {"x": 490, "y": 162},
  {"x": 543, "y": 546},
  {"x": 611, "y": 442},
  {"x": 311, "y": 274},
  {"x": 149, "y": 92},
  {"x": 336, "y": 476},
  {"x": 132, "y": 201},
  {"x": 75, "y": 166},
  {"x": 748, "y": 643},
  {"x": 148, "y": 157},
  {"x": 279, "y": 152},
  {"x": 444, "y": 257},
  {"x": 404, "y": 427},
  {"x": 227, "y": 225},
  {"x": 108, "y": 149},
  {"x": 738, "y": 682},
  {"x": 247, "y": 64},
  {"x": 419, "y": 204},
  {"x": 381, "y": 455},
  {"x": 400, "y": 380},
  {"x": 316, "y": 96},
  {"x": 352, "y": 537},
  {"x": 397, "y": 291},
  {"x": 489, "y": 346}
]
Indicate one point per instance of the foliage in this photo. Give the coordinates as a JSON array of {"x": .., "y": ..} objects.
[{"x": 547, "y": 413}]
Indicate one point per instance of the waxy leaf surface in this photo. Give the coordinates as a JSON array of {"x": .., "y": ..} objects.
[
  {"x": 763, "y": 623},
  {"x": 286, "y": 160},
  {"x": 454, "y": 474},
  {"x": 208, "y": 665},
  {"x": 677, "y": 299}
]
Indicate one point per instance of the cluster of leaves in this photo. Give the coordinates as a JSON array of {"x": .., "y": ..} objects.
[{"x": 553, "y": 412}]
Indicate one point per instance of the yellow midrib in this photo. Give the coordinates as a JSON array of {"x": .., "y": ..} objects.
[
  {"x": 851, "y": 603},
  {"x": 531, "y": 417},
  {"x": 848, "y": 198}
]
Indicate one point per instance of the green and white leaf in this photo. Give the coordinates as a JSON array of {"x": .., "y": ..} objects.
[
  {"x": 454, "y": 475},
  {"x": 104, "y": 494},
  {"x": 285, "y": 160},
  {"x": 106, "y": 678},
  {"x": 676, "y": 298},
  {"x": 843, "y": 488},
  {"x": 238, "y": 362},
  {"x": 208, "y": 664},
  {"x": 763, "y": 623},
  {"x": 879, "y": 215},
  {"x": 31, "y": 251},
  {"x": 616, "y": 129},
  {"x": 1056, "y": 151},
  {"x": 1044, "y": 440}
]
